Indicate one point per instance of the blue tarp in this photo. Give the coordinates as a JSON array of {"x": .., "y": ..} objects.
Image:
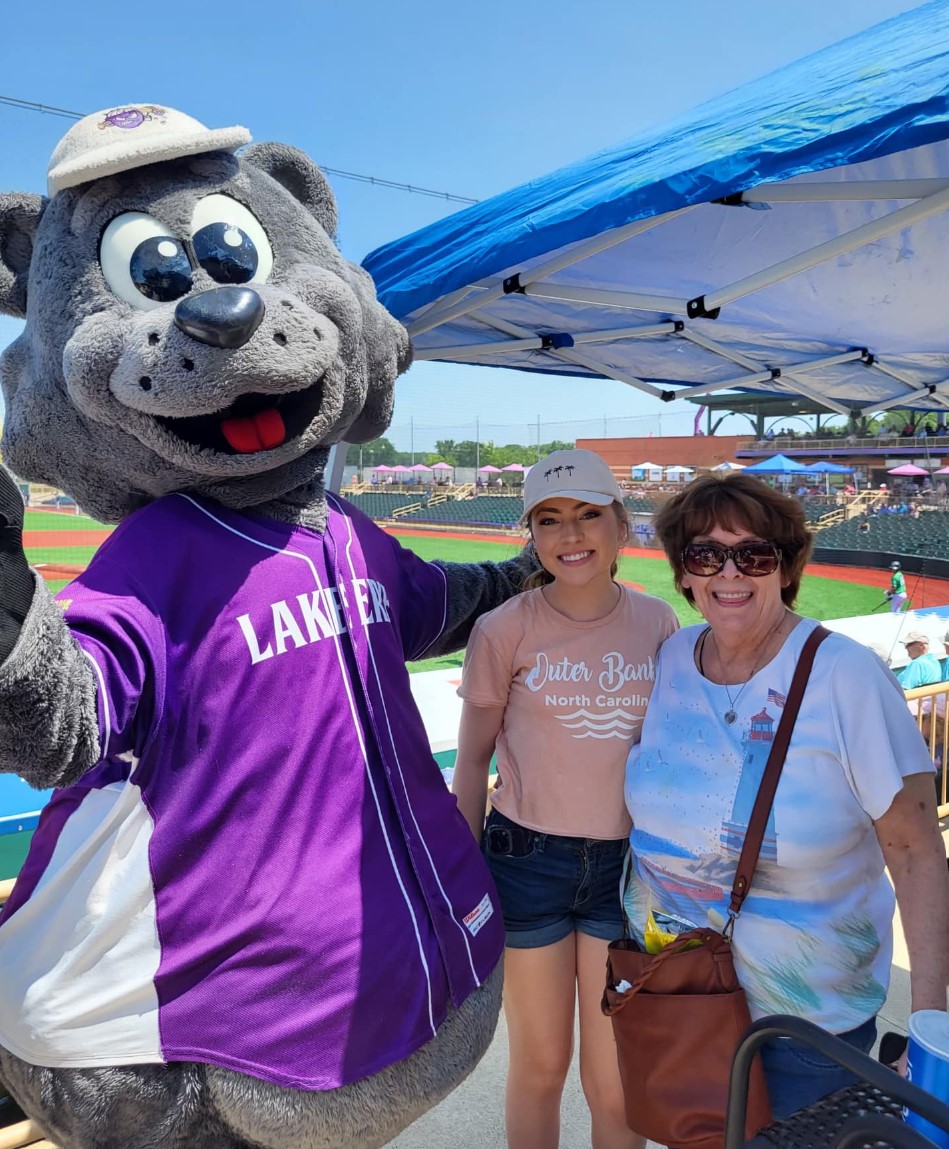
[{"x": 872, "y": 108}]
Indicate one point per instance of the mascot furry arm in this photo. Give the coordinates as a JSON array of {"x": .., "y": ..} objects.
[{"x": 252, "y": 914}]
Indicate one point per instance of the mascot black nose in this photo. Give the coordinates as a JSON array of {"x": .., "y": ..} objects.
[{"x": 221, "y": 317}]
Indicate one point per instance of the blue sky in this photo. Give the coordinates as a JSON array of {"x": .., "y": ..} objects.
[{"x": 464, "y": 98}]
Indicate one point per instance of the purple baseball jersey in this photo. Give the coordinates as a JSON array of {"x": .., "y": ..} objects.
[{"x": 265, "y": 870}]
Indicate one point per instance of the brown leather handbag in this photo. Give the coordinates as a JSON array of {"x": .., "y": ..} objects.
[{"x": 678, "y": 1023}]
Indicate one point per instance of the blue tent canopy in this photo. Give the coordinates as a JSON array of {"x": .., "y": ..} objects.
[
  {"x": 790, "y": 237},
  {"x": 777, "y": 465},
  {"x": 825, "y": 468}
]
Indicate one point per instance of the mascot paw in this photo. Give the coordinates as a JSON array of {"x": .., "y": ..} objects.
[
  {"x": 16, "y": 579},
  {"x": 11, "y": 514}
]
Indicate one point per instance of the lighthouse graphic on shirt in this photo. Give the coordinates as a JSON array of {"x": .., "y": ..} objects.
[{"x": 757, "y": 742}]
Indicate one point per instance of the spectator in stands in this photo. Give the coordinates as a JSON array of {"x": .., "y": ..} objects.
[
  {"x": 897, "y": 591},
  {"x": 944, "y": 661},
  {"x": 572, "y": 656},
  {"x": 923, "y": 668},
  {"x": 864, "y": 525},
  {"x": 856, "y": 794}
]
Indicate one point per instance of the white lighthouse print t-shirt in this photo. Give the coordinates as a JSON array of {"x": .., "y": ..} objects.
[{"x": 814, "y": 937}]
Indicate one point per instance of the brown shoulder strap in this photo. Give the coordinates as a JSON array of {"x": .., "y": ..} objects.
[{"x": 758, "y": 821}]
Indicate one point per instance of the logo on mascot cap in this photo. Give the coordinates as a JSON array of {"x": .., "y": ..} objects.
[{"x": 131, "y": 136}]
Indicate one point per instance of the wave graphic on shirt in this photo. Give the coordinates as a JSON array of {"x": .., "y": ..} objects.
[{"x": 613, "y": 724}]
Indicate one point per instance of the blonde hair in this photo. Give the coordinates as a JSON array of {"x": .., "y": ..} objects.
[{"x": 543, "y": 577}]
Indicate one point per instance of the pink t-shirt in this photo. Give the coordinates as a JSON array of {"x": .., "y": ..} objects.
[{"x": 575, "y": 695}]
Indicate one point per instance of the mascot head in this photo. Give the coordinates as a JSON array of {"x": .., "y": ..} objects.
[{"x": 190, "y": 322}]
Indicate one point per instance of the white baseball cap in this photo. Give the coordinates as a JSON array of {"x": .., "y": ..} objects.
[
  {"x": 916, "y": 636},
  {"x": 579, "y": 474},
  {"x": 131, "y": 136}
]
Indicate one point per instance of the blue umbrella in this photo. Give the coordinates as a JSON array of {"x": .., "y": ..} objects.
[
  {"x": 777, "y": 465},
  {"x": 825, "y": 468}
]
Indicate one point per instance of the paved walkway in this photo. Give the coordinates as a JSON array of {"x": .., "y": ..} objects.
[{"x": 473, "y": 1116}]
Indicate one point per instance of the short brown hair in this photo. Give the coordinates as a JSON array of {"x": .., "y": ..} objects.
[{"x": 736, "y": 502}]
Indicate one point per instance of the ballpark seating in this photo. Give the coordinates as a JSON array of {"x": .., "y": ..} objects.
[
  {"x": 640, "y": 504},
  {"x": 380, "y": 504},
  {"x": 897, "y": 534},
  {"x": 483, "y": 510}
]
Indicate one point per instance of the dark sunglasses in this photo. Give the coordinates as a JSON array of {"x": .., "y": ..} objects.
[{"x": 753, "y": 559}]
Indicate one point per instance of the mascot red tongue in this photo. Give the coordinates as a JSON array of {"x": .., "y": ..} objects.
[{"x": 251, "y": 433}]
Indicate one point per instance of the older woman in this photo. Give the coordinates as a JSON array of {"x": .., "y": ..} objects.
[{"x": 815, "y": 936}]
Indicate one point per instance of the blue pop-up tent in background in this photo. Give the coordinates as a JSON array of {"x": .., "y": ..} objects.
[
  {"x": 790, "y": 237},
  {"x": 778, "y": 465}
]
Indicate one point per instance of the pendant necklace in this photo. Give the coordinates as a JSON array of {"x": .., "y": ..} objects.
[{"x": 730, "y": 715}]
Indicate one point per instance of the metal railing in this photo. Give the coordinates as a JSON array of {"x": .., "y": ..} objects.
[
  {"x": 935, "y": 443},
  {"x": 398, "y": 512},
  {"x": 930, "y": 704}
]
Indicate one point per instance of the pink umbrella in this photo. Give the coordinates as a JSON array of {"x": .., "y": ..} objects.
[
  {"x": 942, "y": 471},
  {"x": 382, "y": 467},
  {"x": 513, "y": 467},
  {"x": 908, "y": 469},
  {"x": 421, "y": 467},
  {"x": 496, "y": 470},
  {"x": 401, "y": 467},
  {"x": 442, "y": 467}
]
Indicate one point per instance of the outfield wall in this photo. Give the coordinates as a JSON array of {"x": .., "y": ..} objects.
[{"x": 880, "y": 560}]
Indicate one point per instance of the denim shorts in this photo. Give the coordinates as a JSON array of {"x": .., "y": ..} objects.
[
  {"x": 550, "y": 886},
  {"x": 798, "y": 1075}
]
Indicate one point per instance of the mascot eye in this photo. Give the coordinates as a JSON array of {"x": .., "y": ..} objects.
[
  {"x": 229, "y": 242},
  {"x": 142, "y": 263}
]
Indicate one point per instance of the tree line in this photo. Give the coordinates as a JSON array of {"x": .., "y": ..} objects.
[{"x": 464, "y": 453}]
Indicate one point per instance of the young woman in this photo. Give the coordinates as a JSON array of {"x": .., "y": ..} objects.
[{"x": 556, "y": 682}]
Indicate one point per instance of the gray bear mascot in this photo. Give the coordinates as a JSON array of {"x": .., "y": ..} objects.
[{"x": 251, "y": 914}]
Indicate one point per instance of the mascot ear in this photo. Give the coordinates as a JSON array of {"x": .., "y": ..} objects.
[
  {"x": 19, "y": 218},
  {"x": 295, "y": 171},
  {"x": 388, "y": 353}
]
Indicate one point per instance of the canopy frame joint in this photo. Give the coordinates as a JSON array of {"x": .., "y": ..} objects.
[{"x": 696, "y": 309}]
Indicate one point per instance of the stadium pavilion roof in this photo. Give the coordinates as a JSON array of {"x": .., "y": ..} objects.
[
  {"x": 790, "y": 237},
  {"x": 769, "y": 406}
]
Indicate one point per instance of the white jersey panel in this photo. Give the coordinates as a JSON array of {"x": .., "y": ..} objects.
[{"x": 86, "y": 990}]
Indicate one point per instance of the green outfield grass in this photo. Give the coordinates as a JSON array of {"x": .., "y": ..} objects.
[
  {"x": 819, "y": 598},
  {"x": 80, "y": 555},
  {"x": 60, "y": 521}
]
